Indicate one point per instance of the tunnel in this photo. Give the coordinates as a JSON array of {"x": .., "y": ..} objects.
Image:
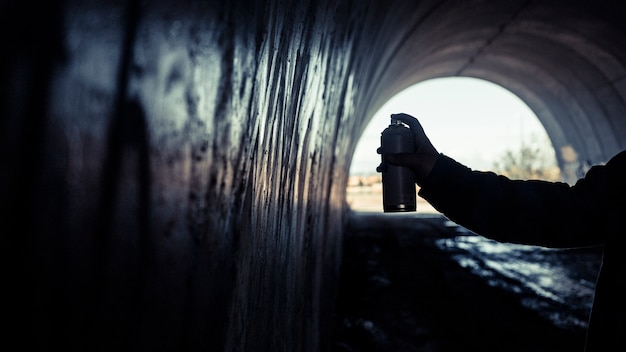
[{"x": 173, "y": 172}]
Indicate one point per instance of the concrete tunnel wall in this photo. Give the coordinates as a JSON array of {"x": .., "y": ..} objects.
[{"x": 174, "y": 173}]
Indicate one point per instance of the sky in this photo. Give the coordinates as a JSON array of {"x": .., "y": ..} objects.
[{"x": 473, "y": 121}]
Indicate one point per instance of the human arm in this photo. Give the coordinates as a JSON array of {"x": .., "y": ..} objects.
[
  {"x": 552, "y": 214},
  {"x": 533, "y": 212}
]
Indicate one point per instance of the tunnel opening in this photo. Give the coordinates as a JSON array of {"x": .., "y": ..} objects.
[
  {"x": 477, "y": 122},
  {"x": 426, "y": 283}
]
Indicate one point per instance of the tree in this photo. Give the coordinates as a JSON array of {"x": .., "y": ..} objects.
[{"x": 534, "y": 160}]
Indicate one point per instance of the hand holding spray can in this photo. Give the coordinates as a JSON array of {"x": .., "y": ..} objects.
[{"x": 398, "y": 181}]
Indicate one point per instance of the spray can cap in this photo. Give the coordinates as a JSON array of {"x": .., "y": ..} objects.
[{"x": 395, "y": 121}]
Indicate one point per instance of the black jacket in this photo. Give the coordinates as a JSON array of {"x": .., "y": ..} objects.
[{"x": 549, "y": 214}]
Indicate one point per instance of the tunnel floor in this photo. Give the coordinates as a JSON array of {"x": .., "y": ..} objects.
[{"x": 416, "y": 283}]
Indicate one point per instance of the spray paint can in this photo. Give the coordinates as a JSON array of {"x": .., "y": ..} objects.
[{"x": 398, "y": 181}]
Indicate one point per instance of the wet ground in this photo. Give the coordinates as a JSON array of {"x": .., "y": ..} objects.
[{"x": 421, "y": 283}]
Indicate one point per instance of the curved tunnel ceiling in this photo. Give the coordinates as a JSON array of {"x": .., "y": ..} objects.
[
  {"x": 568, "y": 65},
  {"x": 194, "y": 154}
]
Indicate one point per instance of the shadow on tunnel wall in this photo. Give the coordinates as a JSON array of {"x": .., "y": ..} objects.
[{"x": 173, "y": 173}]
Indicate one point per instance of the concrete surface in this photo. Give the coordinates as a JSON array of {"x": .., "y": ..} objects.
[{"x": 420, "y": 283}]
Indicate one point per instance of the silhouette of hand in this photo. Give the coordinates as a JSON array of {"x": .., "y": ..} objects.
[{"x": 423, "y": 159}]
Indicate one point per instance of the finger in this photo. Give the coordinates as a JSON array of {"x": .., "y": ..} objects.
[
  {"x": 407, "y": 119},
  {"x": 414, "y": 124}
]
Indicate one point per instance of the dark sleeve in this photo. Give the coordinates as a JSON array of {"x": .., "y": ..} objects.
[{"x": 550, "y": 214}]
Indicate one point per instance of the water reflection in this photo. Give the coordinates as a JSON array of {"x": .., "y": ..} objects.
[
  {"x": 557, "y": 283},
  {"x": 417, "y": 282}
]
